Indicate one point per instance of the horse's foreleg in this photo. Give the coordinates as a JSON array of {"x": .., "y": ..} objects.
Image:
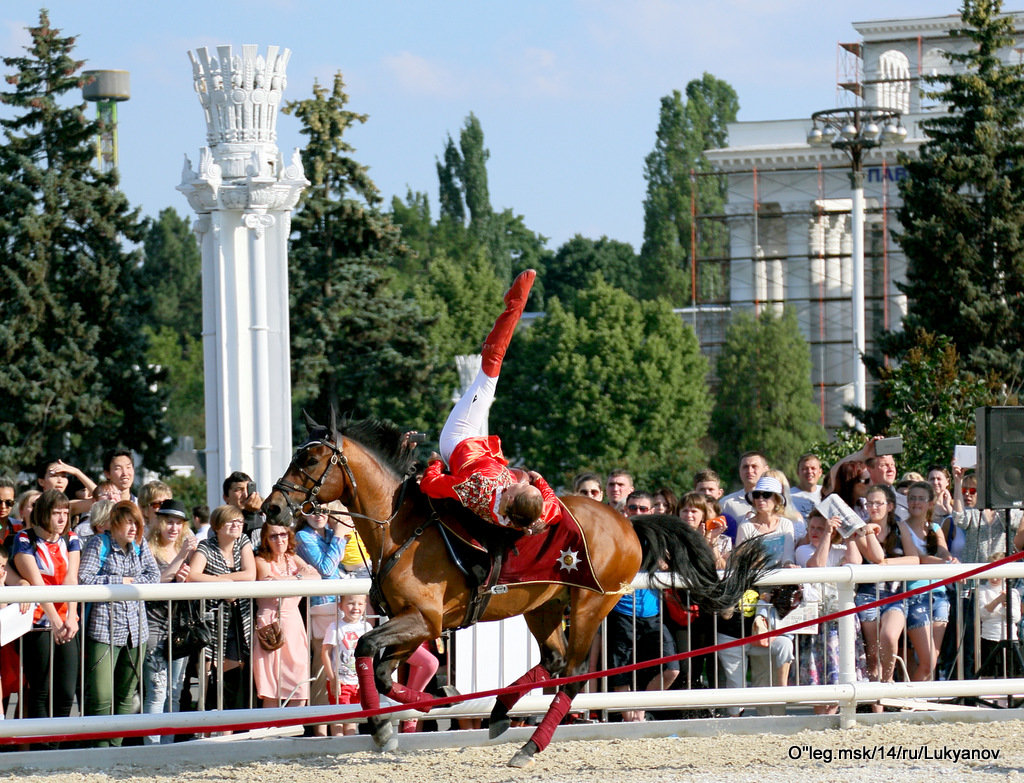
[{"x": 400, "y": 636}]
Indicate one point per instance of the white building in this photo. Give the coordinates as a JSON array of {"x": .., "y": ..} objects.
[{"x": 789, "y": 203}]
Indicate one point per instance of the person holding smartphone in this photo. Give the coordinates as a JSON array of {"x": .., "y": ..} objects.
[{"x": 240, "y": 492}]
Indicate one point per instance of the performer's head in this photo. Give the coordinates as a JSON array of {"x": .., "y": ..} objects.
[{"x": 523, "y": 504}]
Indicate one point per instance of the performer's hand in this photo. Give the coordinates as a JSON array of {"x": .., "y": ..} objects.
[
  {"x": 434, "y": 457},
  {"x": 534, "y": 475}
]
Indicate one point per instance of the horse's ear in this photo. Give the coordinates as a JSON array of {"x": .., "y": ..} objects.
[{"x": 310, "y": 423}]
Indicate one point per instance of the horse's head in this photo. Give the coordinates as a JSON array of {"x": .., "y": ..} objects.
[{"x": 318, "y": 473}]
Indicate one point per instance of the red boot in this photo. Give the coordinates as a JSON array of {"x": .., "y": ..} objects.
[{"x": 497, "y": 341}]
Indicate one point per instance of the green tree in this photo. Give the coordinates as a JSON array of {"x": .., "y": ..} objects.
[
  {"x": 677, "y": 172},
  {"x": 462, "y": 175},
  {"x": 473, "y": 171},
  {"x": 574, "y": 265},
  {"x": 180, "y": 356},
  {"x": 171, "y": 274},
  {"x": 605, "y": 381},
  {"x": 449, "y": 175},
  {"x": 171, "y": 278},
  {"x": 928, "y": 399},
  {"x": 765, "y": 399},
  {"x": 75, "y": 377},
  {"x": 962, "y": 214},
  {"x": 460, "y": 298},
  {"x": 356, "y": 341}
]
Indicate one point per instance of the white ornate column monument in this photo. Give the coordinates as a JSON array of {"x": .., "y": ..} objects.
[{"x": 243, "y": 194}]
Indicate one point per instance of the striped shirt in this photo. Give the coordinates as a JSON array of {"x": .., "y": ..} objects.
[{"x": 216, "y": 565}]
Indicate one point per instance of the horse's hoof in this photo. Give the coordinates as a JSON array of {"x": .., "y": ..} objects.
[
  {"x": 498, "y": 727},
  {"x": 385, "y": 738},
  {"x": 523, "y": 757}
]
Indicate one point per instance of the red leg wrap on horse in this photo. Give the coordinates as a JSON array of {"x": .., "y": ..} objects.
[
  {"x": 558, "y": 709},
  {"x": 536, "y": 675},
  {"x": 405, "y": 695},
  {"x": 367, "y": 686},
  {"x": 493, "y": 351}
]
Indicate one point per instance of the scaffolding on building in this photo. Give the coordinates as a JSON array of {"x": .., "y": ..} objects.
[{"x": 797, "y": 254}]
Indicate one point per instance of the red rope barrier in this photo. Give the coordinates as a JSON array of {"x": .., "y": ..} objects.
[{"x": 425, "y": 706}]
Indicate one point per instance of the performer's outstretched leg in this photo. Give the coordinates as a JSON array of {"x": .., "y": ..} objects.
[
  {"x": 497, "y": 341},
  {"x": 468, "y": 418}
]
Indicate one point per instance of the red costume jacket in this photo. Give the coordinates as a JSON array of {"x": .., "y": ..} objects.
[{"x": 478, "y": 475}]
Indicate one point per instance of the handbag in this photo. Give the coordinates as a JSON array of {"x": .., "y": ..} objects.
[
  {"x": 270, "y": 636},
  {"x": 677, "y": 610},
  {"x": 190, "y": 631}
]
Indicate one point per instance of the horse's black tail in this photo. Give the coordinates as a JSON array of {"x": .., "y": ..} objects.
[{"x": 669, "y": 544}]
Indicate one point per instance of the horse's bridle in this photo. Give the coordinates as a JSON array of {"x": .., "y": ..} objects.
[{"x": 309, "y": 504}]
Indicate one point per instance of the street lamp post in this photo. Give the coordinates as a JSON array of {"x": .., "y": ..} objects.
[{"x": 854, "y": 130}]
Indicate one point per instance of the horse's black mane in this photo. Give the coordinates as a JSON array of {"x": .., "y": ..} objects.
[{"x": 384, "y": 438}]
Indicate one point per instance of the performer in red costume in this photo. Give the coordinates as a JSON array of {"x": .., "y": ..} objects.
[{"x": 478, "y": 474}]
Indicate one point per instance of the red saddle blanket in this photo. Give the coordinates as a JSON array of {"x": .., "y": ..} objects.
[{"x": 558, "y": 554}]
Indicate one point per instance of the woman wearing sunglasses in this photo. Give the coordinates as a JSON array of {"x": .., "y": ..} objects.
[
  {"x": 767, "y": 519},
  {"x": 282, "y": 675}
]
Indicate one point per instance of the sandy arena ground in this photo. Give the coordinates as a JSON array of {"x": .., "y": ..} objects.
[{"x": 902, "y": 753}]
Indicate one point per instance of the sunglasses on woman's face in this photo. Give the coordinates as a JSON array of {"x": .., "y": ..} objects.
[
  {"x": 969, "y": 491},
  {"x": 759, "y": 495}
]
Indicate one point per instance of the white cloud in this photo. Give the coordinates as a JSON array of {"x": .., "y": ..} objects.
[
  {"x": 418, "y": 75},
  {"x": 542, "y": 75}
]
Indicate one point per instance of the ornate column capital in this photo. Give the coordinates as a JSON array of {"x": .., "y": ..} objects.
[{"x": 258, "y": 222}]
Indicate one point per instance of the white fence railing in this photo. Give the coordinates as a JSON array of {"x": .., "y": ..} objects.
[{"x": 848, "y": 692}]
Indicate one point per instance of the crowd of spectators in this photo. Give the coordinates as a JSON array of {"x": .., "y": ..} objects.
[
  {"x": 120, "y": 657},
  {"x": 916, "y": 519}
]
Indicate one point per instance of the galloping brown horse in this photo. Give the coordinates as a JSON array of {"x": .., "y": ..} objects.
[{"x": 368, "y": 466}]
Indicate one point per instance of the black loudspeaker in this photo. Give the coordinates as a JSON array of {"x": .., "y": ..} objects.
[{"x": 1000, "y": 457}]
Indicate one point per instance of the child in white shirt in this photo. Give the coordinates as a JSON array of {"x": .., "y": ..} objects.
[{"x": 339, "y": 655}]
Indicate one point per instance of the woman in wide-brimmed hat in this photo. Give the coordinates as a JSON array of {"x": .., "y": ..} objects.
[{"x": 767, "y": 520}]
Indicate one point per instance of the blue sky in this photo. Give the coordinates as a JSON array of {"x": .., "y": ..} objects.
[{"x": 567, "y": 91}]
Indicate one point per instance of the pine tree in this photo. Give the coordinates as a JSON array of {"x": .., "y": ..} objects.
[
  {"x": 75, "y": 377},
  {"x": 676, "y": 171},
  {"x": 171, "y": 274},
  {"x": 765, "y": 401},
  {"x": 356, "y": 342},
  {"x": 962, "y": 215}
]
